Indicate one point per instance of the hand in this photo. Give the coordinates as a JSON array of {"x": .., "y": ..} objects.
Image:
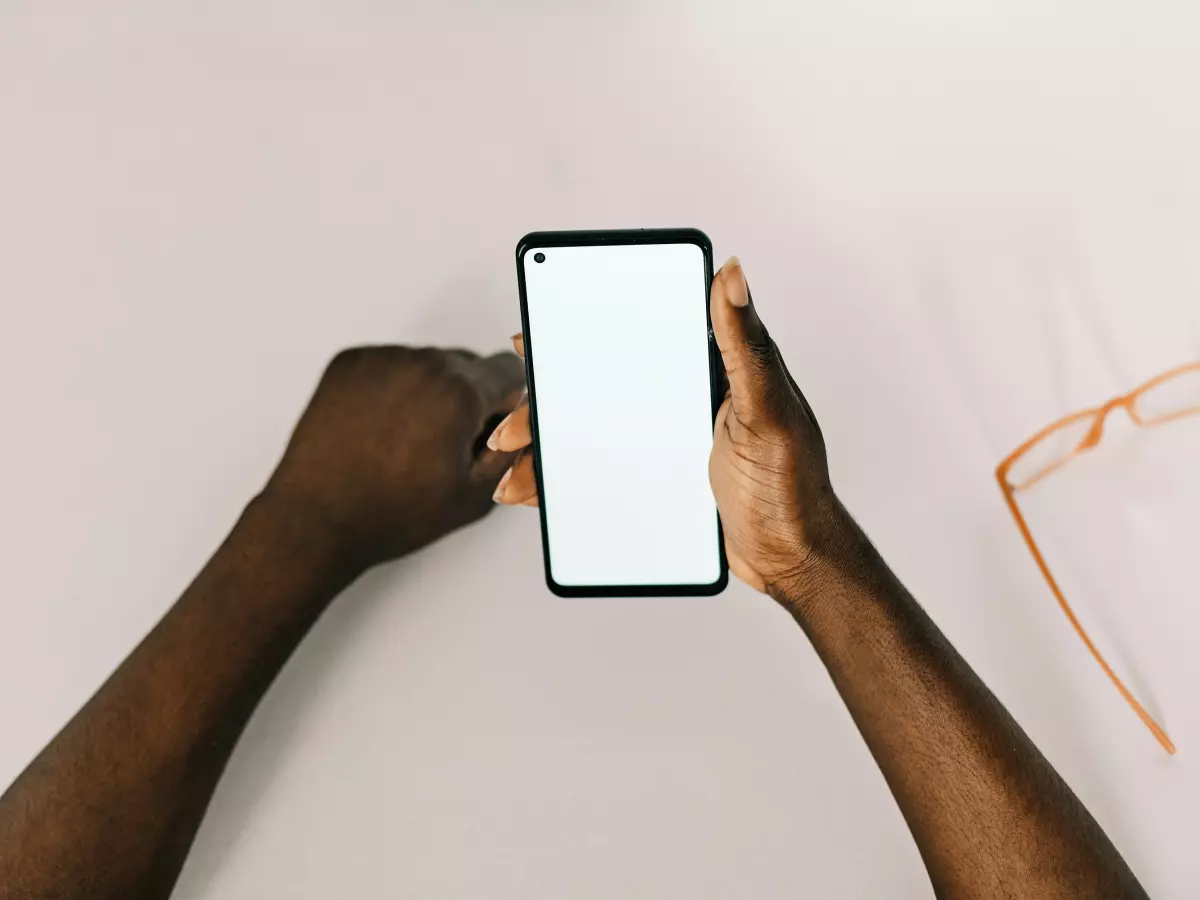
[
  {"x": 768, "y": 468},
  {"x": 390, "y": 451}
]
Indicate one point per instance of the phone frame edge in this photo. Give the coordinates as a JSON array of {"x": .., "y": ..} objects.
[{"x": 716, "y": 386}]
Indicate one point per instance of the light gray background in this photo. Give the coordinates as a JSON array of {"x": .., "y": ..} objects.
[{"x": 960, "y": 219}]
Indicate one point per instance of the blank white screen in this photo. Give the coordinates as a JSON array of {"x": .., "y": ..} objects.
[{"x": 618, "y": 338}]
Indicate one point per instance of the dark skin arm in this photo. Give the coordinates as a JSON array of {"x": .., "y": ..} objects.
[
  {"x": 990, "y": 815},
  {"x": 386, "y": 459}
]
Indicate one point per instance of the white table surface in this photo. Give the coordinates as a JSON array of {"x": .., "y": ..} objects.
[{"x": 961, "y": 220}]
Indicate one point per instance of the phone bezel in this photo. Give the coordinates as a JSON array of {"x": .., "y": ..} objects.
[{"x": 551, "y": 239}]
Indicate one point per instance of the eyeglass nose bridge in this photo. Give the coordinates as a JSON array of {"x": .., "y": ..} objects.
[{"x": 1096, "y": 432}]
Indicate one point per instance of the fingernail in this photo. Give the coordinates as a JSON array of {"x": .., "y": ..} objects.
[
  {"x": 493, "y": 440},
  {"x": 502, "y": 485},
  {"x": 735, "y": 282}
]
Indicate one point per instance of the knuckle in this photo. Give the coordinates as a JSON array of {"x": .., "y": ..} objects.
[
  {"x": 345, "y": 359},
  {"x": 431, "y": 359}
]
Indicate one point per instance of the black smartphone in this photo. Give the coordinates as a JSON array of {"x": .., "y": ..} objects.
[{"x": 624, "y": 385}]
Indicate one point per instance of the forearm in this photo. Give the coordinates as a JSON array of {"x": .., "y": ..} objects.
[
  {"x": 110, "y": 807},
  {"x": 990, "y": 815}
]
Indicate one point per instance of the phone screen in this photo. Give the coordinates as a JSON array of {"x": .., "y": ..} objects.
[{"x": 617, "y": 338}]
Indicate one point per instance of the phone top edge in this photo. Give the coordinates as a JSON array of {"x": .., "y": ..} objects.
[{"x": 613, "y": 236}]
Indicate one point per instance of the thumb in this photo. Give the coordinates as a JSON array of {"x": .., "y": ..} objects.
[{"x": 751, "y": 360}]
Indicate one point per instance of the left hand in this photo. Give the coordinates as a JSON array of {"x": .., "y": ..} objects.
[{"x": 390, "y": 451}]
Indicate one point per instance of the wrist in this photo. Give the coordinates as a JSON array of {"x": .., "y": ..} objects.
[
  {"x": 837, "y": 553},
  {"x": 305, "y": 531}
]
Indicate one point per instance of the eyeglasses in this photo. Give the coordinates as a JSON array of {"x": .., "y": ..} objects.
[{"x": 1172, "y": 395}]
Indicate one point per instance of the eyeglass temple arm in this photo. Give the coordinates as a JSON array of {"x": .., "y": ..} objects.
[{"x": 1147, "y": 719}]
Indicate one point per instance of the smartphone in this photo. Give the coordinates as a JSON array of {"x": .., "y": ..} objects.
[{"x": 624, "y": 384}]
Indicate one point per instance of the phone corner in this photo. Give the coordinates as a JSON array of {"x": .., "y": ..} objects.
[
  {"x": 718, "y": 586},
  {"x": 699, "y": 238},
  {"x": 555, "y": 588},
  {"x": 526, "y": 243}
]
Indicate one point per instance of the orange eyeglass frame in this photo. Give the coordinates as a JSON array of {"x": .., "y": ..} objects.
[{"x": 1095, "y": 433}]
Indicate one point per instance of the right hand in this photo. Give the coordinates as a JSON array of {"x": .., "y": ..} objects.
[{"x": 768, "y": 467}]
